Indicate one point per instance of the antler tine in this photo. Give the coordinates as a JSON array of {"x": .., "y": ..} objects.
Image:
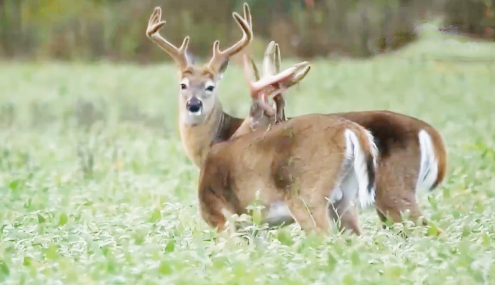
[
  {"x": 299, "y": 76},
  {"x": 220, "y": 57},
  {"x": 254, "y": 90},
  {"x": 278, "y": 58},
  {"x": 268, "y": 60},
  {"x": 178, "y": 54},
  {"x": 247, "y": 72},
  {"x": 273, "y": 79},
  {"x": 255, "y": 69},
  {"x": 247, "y": 15}
]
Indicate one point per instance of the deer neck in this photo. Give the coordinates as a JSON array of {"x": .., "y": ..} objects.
[{"x": 197, "y": 139}]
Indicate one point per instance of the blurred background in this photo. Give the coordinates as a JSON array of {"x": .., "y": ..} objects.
[{"x": 115, "y": 29}]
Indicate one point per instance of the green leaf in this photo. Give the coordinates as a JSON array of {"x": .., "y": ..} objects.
[
  {"x": 27, "y": 260},
  {"x": 63, "y": 219},
  {"x": 41, "y": 220},
  {"x": 355, "y": 258},
  {"x": 156, "y": 216},
  {"x": 15, "y": 184},
  {"x": 170, "y": 246},
  {"x": 4, "y": 268},
  {"x": 164, "y": 268},
  {"x": 51, "y": 252},
  {"x": 332, "y": 262},
  {"x": 257, "y": 216}
]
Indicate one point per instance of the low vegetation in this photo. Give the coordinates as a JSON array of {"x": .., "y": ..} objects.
[{"x": 96, "y": 189}]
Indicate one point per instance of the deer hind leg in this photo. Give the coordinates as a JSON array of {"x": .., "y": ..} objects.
[
  {"x": 396, "y": 190},
  {"x": 345, "y": 215},
  {"x": 356, "y": 177},
  {"x": 310, "y": 213},
  {"x": 343, "y": 211}
]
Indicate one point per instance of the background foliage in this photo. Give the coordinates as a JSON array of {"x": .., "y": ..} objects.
[{"x": 114, "y": 29}]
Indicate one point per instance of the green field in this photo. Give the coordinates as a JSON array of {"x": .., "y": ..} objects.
[{"x": 95, "y": 187}]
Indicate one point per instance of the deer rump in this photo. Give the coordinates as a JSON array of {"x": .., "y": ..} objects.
[{"x": 311, "y": 158}]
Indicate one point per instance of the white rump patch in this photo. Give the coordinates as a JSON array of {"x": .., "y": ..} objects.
[
  {"x": 428, "y": 167},
  {"x": 356, "y": 183}
]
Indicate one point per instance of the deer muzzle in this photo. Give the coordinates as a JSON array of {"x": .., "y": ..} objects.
[{"x": 194, "y": 106}]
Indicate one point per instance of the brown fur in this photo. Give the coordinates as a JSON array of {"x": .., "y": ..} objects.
[
  {"x": 396, "y": 137},
  {"x": 287, "y": 163},
  {"x": 208, "y": 123}
]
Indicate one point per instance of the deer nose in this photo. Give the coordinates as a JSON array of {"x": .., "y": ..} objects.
[{"x": 194, "y": 105}]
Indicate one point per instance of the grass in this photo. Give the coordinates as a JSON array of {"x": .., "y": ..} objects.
[{"x": 96, "y": 189}]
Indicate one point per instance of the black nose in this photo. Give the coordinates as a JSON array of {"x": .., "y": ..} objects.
[{"x": 194, "y": 105}]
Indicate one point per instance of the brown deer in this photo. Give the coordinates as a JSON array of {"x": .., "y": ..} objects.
[
  {"x": 412, "y": 157},
  {"x": 201, "y": 119},
  {"x": 300, "y": 163}
]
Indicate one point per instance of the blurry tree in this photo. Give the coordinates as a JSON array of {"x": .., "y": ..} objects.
[{"x": 114, "y": 29}]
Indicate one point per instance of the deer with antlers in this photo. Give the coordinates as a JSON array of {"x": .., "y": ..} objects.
[
  {"x": 412, "y": 156},
  {"x": 201, "y": 118},
  {"x": 300, "y": 163}
]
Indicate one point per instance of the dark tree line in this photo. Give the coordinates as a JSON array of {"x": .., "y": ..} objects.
[{"x": 114, "y": 29}]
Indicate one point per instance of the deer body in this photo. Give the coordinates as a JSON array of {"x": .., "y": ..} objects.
[
  {"x": 413, "y": 159},
  {"x": 300, "y": 163}
]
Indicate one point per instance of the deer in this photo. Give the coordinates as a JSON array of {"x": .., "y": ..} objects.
[
  {"x": 300, "y": 163},
  {"x": 202, "y": 121},
  {"x": 412, "y": 157},
  {"x": 412, "y": 153}
]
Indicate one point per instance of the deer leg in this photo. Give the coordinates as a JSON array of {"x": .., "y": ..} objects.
[
  {"x": 392, "y": 205},
  {"x": 310, "y": 215},
  {"x": 391, "y": 208},
  {"x": 213, "y": 211},
  {"x": 343, "y": 211},
  {"x": 346, "y": 215}
]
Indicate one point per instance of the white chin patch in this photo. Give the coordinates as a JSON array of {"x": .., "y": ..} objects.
[{"x": 195, "y": 114}]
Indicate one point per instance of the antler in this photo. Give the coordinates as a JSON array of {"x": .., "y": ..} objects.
[
  {"x": 275, "y": 83},
  {"x": 220, "y": 57},
  {"x": 178, "y": 54}
]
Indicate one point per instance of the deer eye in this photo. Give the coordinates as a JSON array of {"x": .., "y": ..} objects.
[
  {"x": 183, "y": 86},
  {"x": 210, "y": 88}
]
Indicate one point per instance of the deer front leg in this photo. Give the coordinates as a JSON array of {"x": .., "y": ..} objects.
[{"x": 213, "y": 210}]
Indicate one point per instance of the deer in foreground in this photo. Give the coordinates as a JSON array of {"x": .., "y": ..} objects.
[
  {"x": 412, "y": 157},
  {"x": 300, "y": 163}
]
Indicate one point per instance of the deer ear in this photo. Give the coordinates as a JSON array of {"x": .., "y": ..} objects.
[{"x": 222, "y": 69}]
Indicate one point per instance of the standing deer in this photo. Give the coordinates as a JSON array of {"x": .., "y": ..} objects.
[
  {"x": 300, "y": 163},
  {"x": 201, "y": 118},
  {"x": 412, "y": 157}
]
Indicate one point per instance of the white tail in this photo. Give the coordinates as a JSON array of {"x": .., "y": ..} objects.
[
  {"x": 363, "y": 170},
  {"x": 428, "y": 167}
]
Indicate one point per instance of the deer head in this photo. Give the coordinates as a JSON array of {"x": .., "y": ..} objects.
[
  {"x": 271, "y": 85},
  {"x": 261, "y": 113},
  {"x": 198, "y": 85}
]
